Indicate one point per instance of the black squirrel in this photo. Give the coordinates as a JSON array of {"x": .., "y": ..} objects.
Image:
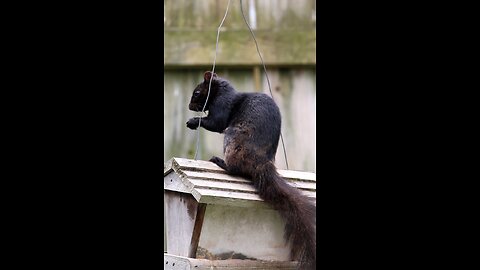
[{"x": 251, "y": 124}]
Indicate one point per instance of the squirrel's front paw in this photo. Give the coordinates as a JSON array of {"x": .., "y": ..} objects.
[{"x": 193, "y": 123}]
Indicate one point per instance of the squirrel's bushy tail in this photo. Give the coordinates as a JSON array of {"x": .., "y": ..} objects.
[{"x": 297, "y": 210}]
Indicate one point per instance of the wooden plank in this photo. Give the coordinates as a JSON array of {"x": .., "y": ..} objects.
[
  {"x": 172, "y": 262},
  {"x": 246, "y": 187},
  {"x": 197, "y": 229},
  {"x": 306, "y": 186},
  {"x": 240, "y": 199},
  {"x": 194, "y": 165},
  {"x": 216, "y": 176},
  {"x": 235, "y": 179},
  {"x": 222, "y": 194},
  {"x": 236, "y": 195},
  {"x": 167, "y": 167},
  {"x": 218, "y": 185},
  {"x": 183, "y": 263},
  {"x": 206, "y": 15},
  {"x": 210, "y": 184},
  {"x": 236, "y": 199},
  {"x": 298, "y": 175},
  {"x": 180, "y": 210},
  {"x": 174, "y": 182},
  {"x": 207, "y": 166},
  {"x": 197, "y": 48},
  {"x": 206, "y": 193}
]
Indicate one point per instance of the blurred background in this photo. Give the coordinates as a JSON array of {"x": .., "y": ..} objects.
[{"x": 286, "y": 34}]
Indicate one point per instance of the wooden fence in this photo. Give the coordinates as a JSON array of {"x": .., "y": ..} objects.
[{"x": 286, "y": 34}]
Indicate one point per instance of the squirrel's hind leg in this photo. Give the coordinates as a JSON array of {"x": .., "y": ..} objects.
[
  {"x": 231, "y": 170},
  {"x": 220, "y": 162}
]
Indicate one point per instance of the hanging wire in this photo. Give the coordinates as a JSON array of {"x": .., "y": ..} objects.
[
  {"x": 266, "y": 74},
  {"x": 210, "y": 83}
]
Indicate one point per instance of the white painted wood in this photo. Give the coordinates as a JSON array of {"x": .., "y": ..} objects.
[
  {"x": 180, "y": 209},
  {"x": 194, "y": 165},
  {"x": 298, "y": 175},
  {"x": 236, "y": 218},
  {"x": 183, "y": 263},
  {"x": 175, "y": 182},
  {"x": 238, "y": 199},
  {"x": 210, "y": 184},
  {"x": 215, "y": 176},
  {"x": 254, "y": 232},
  {"x": 222, "y": 186},
  {"x": 299, "y": 183},
  {"x": 167, "y": 167},
  {"x": 207, "y": 166},
  {"x": 241, "y": 199},
  {"x": 172, "y": 262}
]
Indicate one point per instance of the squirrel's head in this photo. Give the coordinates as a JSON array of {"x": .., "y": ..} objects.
[{"x": 200, "y": 92}]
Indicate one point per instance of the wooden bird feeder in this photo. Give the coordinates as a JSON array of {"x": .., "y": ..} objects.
[{"x": 217, "y": 221}]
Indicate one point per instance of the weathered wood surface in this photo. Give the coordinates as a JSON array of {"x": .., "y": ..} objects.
[
  {"x": 197, "y": 230},
  {"x": 189, "y": 48},
  {"x": 183, "y": 223},
  {"x": 294, "y": 91},
  {"x": 210, "y": 184},
  {"x": 269, "y": 14},
  {"x": 171, "y": 262},
  {"x": 285, "y": 32},
  {"x": 231, "y": 232},
  {"x": 191, "y": 166}
]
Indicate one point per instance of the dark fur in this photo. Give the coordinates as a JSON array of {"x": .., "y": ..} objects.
[{"x": 251, "y": 123}]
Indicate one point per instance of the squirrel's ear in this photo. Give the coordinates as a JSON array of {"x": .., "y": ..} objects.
[{"x": 208, "y": 75}]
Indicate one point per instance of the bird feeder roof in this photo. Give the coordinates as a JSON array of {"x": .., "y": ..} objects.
[{"x": 210, "y": 184}]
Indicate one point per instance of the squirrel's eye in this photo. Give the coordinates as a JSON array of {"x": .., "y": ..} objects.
[{"x": 196, "y": 93}]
